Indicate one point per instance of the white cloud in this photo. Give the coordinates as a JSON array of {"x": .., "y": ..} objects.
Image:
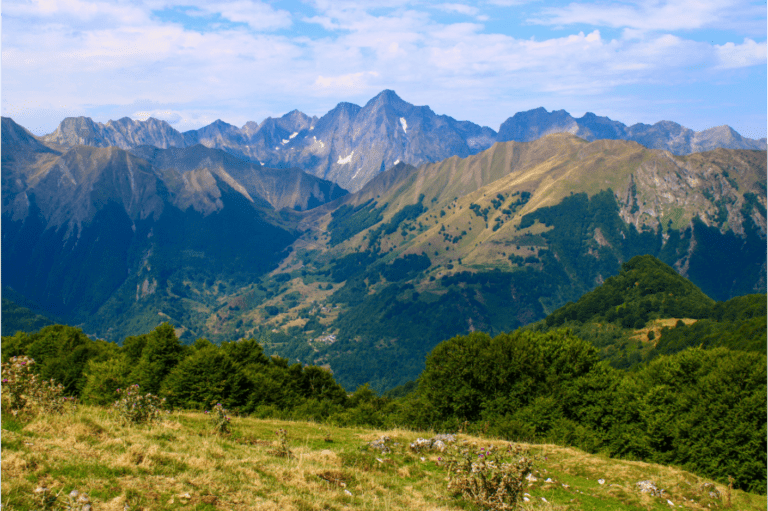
[
  {"x": 749, "y": 53},
  {"x": 75, "y": 55},
  {"x": 467, "y": 10},
  {"x": 657, "y": 15},
  {"x": 77, "y": 12},
  {"x": 510, "y": 3},
  {"x": 352, "y": 83},
  {"x": 257, "y": 15}
]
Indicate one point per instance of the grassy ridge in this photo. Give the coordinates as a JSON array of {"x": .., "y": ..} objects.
[
  {"x": 179, "y": 464},
  {"x": 702, "y": 409}
]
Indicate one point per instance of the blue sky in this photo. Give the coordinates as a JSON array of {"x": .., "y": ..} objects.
[{"x": 701, "y": 63}]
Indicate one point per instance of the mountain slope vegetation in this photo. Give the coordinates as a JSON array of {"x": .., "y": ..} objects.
[
  {"x": 369, "y": 282},
  {"x": 166, "y": 465},
  {"x": 701, "y": 407},
  {"x": 17, "y": 318},
  {"x": 498, "y": 240}
]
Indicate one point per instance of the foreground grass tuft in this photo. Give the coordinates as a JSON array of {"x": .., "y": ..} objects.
[{"x": 178, "y": 462}]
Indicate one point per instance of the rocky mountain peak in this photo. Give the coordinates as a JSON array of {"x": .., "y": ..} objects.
[
  {"x": 346, "y": 108},
  {"x": 15, "y": 136},
  {"x": 77, "y": 131},
  {"x": 534, "y": 124},
  {"x": 387, "y": 97}
]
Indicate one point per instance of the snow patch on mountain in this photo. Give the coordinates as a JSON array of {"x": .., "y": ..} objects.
[
  {"x": 404, "y": 125},
  {"x": 293, "y": 134},
  {"x": 348, "y": 159}
]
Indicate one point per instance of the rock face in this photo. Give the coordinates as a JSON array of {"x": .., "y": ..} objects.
[
  {"x": 350, "y": 145},
  {"x": 676, "y": 188},
  {"x": 282, "y": 188},
  {"x": 123, "y": 133}
]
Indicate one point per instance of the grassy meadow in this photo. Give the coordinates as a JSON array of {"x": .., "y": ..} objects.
[{"x": 179, "y": 463}]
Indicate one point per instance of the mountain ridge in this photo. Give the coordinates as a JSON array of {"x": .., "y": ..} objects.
[
  {"x": 491, "y": 241},
  {"x": 350, "y": 144}
]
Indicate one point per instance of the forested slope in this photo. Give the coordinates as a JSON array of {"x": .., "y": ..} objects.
[{"x": 694, "y": 401}]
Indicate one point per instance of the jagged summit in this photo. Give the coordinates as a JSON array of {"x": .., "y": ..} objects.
[
  {"x": 345, "y": 106},
  {"x": 351, "y": 144},
  {"x": 387, "y": 97}
]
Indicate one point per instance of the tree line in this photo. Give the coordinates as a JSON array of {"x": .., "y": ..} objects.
[{"x": 701, "y": 409}]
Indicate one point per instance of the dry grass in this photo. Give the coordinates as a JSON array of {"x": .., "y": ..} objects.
[
  {"x": 179, "y": 464},
  {"x": 656, "y": 325}
]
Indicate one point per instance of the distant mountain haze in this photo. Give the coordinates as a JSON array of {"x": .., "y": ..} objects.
[
  {"x": 533, "y": 124},
  {"x": 351, "y": 144}
]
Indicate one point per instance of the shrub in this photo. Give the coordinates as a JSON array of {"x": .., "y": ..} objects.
[
  {"x": 282, "y": 450},
  {"x": 24, "y": 393},
  {"x": 491, "y": 478},
  {"x": 133, "y": 408},
  {"x": 219, "y": 419}
]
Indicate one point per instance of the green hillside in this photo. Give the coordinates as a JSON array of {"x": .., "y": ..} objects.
[
  {"x": 179, "y": 463},
  {"x": 370, "y": 283},
  {"x": 16, "y": 318},
  {"x": 695, "y": 399},
  {"x": 648, "y": 310},
  {"x": 384, "y": 302},
  {"x": 494, "y": 242}
]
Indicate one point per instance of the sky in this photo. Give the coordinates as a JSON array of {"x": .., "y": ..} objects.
[{"x": 701, "y": 63}]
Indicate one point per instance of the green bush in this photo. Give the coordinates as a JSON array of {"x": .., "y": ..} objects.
[
  {"x": 219, "y": 418},
  {"x": 25, "y": 394},
  {"x": 493, "y": 478},
  {"x": 133, "y": 407}
]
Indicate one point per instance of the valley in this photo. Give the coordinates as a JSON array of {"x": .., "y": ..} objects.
[{"x": 103, "y": 231}]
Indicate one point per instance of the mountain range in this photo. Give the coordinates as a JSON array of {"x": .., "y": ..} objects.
[
  {"x": 351, "y": 144},
  {"x": 498, "y": 240},
  {"x": 491, "y": 236},
  {"x": 77, "y": 220}
]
